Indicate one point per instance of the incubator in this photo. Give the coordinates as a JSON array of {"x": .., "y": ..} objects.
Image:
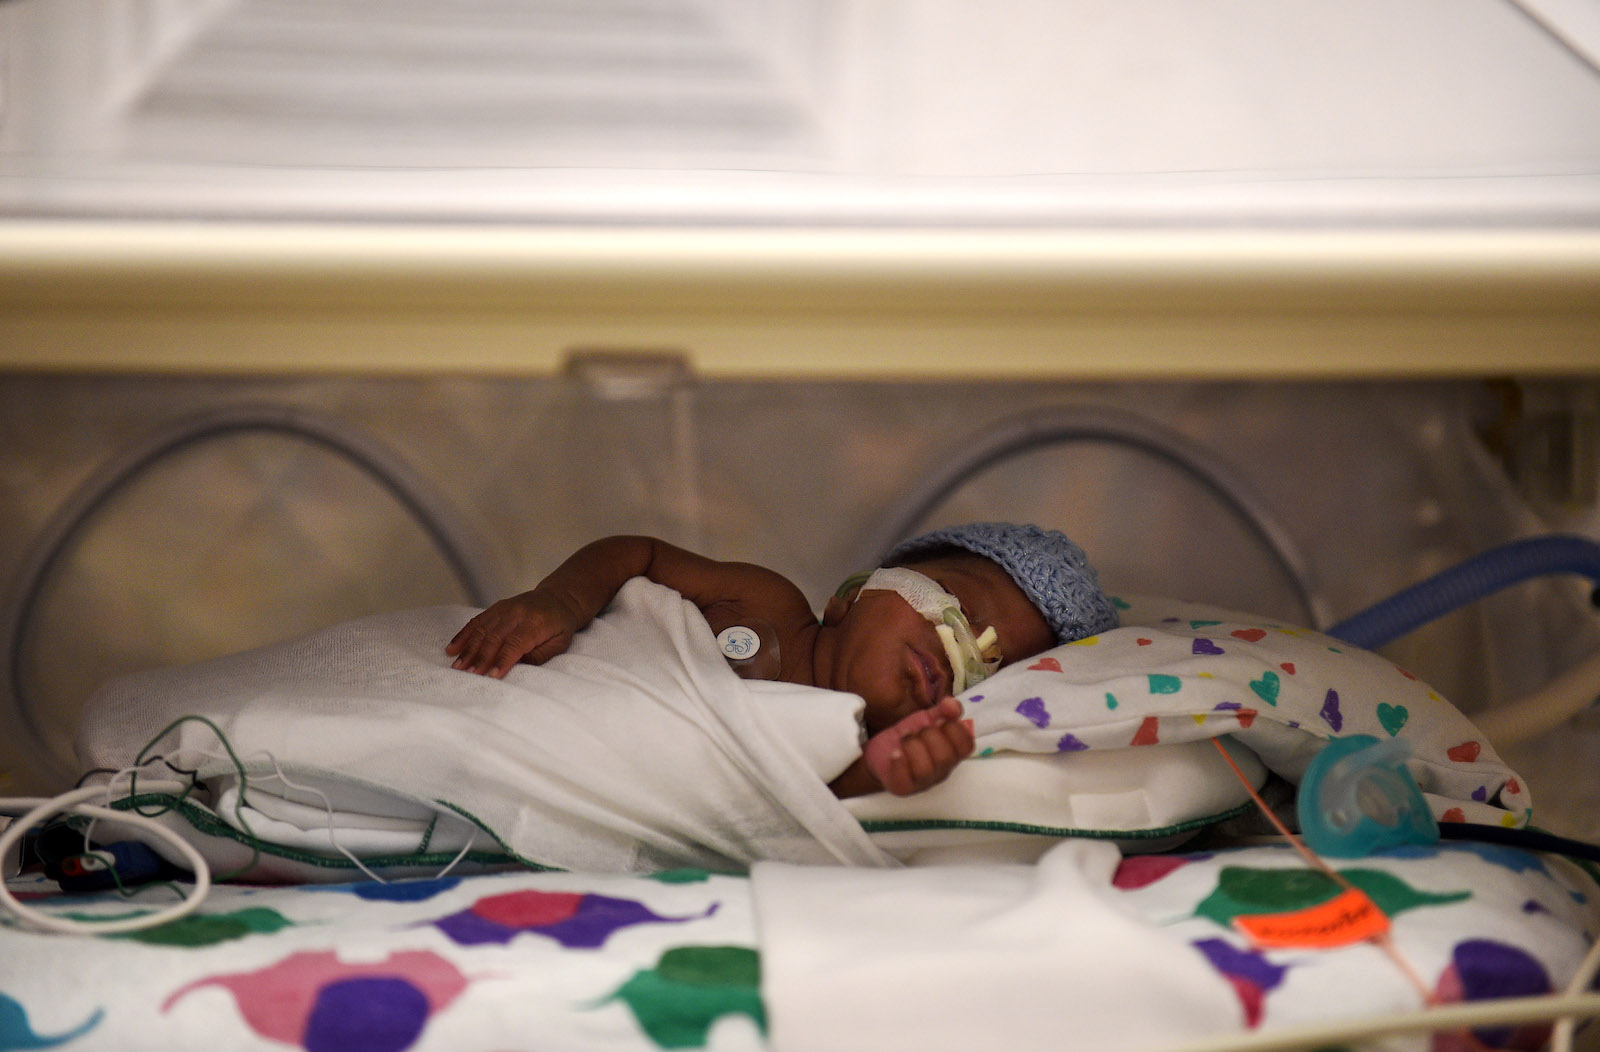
[{"x": 307, "y": 316}]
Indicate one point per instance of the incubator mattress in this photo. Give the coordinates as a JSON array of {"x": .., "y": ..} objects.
[{"x": 688, "y": 959}]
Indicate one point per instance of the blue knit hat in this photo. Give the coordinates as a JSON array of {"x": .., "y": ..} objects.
[{"x": 1047, "y": 566}]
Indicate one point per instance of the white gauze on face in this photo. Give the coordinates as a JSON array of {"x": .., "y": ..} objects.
[
  {"x": 971, "y": 660},
  {"x": 922, "y": 592}
]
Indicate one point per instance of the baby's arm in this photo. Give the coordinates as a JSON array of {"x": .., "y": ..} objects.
[
  {"x": 539, "y": 624},
  {"x": 915, "y": 754}
]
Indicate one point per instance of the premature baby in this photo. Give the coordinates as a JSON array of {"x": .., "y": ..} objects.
[{"x": 947, "y": 609}]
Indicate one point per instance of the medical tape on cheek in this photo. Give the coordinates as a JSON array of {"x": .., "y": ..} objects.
[
  {"x": 968, "y": 662},
  {"x": 924, "y": 595}
]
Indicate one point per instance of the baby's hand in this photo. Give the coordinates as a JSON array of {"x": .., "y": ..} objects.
[
  {"x": 532, "y": 627},
  {"x": 921, "y": 750}
]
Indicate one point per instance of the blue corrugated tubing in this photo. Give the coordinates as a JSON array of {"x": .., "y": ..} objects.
[{"x": 1479, "y": 576}]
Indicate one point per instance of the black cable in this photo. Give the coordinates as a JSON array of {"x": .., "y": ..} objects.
[
  {"x": 90, "y": 773},
  {"x": 1530, "y": 839}
]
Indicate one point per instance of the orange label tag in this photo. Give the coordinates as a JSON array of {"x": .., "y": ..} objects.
[{"x": 1347, "y": 918}]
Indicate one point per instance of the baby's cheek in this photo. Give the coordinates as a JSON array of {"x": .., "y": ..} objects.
[{"x": 883, "y": 707}]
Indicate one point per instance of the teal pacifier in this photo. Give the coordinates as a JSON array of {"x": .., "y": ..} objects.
[{"x": 1357, "y": 797}]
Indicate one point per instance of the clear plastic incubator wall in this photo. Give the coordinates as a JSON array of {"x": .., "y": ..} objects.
[{"x": 309, "y": 311}]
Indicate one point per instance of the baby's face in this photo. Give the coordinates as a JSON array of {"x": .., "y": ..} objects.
[{"x": 891, "y": 655}]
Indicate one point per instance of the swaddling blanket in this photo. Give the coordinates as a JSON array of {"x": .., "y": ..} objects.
[
  {"x": 638, "y": 749},
  {"x": 962, "y": 957}
]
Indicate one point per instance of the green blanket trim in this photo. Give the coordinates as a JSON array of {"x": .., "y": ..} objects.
[
  {"x": 206, "y": 822},
  {"x": 902, "y": 825}
]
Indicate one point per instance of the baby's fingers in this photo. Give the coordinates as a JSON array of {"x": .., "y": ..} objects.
[
  {"x": 933, "y": 754},
  {"x": 466, "y": 646},
  {"x": 960, "y": 736},
  {"x": 484, "y": 646},
  {"x": 459, "y": 640},
  {"x": 896, "y": 776},
  {"x": 941, "y": 755},
  {"x": 912, "y": 767}
]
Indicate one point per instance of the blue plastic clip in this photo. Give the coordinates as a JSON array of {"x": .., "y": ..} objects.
[
  {"x": 1357, "y": 797},
  {"x": 126, "y": 863}
]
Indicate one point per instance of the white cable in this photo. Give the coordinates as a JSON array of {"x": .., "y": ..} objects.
[
  {"x": 327, "y": 805},
  {"x": 283, "y": 779},
  {"x": 332, "y": 827},
  {"x": 1448, "y": 1017},
  {"x": 156, "y": 783},
  {"x": 74, "y": 802},
  {"x": 472, "y": 831},
  {"x": 1561, "y": 1038}
]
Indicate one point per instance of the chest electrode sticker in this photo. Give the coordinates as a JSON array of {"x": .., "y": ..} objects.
[{"x": 738, "y": 643}]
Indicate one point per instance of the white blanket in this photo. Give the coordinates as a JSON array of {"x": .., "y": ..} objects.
[
  {"x": 963, "y": 957},
  {"x": 638, "y": 749}
]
